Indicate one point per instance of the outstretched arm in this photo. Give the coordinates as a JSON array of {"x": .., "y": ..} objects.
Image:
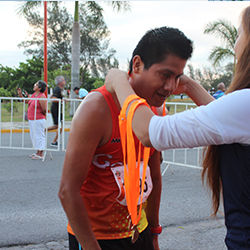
[{"x": 117, "y": 81}]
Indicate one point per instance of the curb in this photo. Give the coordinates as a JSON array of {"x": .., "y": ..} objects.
[{"x": 27, "y": 130}]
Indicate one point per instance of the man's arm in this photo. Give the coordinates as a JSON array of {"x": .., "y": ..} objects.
[
  {"x": 81, "y": 97},
  {"x": 153, "y": 204},
  {"x": 85, "y": 136}
]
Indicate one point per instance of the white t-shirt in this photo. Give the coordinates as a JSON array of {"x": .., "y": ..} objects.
[{"x": 223, "y": 121}]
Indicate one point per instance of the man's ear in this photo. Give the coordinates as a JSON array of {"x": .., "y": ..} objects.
[{"x": 137, "y": 64}]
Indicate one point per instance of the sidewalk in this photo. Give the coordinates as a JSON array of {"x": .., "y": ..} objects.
[
  {"x": 53, "y": 245},
  {"x": 200, "y": 235}
]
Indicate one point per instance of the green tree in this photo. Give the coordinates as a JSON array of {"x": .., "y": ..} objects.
[
  {"x": 98, "y": 83},
  {"x": 6, "y": 77},
  {"x": 4, "y": 92},
  {"x": 65, "y": 71},
  {"x": 209, "y": 78},
  {"x": 27, "y": 74},
  {"x": 24, "y": 76},
  {"x": 224, "y": 30},
  {"x": 59, "y": 33}
]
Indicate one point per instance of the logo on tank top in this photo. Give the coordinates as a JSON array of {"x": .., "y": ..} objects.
[
  {"x": 115, "y": 140},
  {"x": 104, "y": 160}
]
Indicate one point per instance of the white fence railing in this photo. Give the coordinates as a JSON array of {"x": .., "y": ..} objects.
[
  {"x": 14, "y": 129},
  {"x": 181, "y": 157},
  {"x": 17, "y": 137}
]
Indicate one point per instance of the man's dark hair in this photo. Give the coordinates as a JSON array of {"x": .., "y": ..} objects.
[
  {"x": 157, "y": 43},
  {"x": 75, "y": 88},
  {"x": 42, "y": 85}
]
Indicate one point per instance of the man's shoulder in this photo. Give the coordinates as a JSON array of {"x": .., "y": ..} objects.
[
  {"x": 95, "y": 101},
  {"x": 93, "y": 112},
  {"x": 57, "y": 88},
  {"x": 83, "y": 92}
]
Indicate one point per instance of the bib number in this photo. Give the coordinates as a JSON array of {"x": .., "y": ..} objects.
[{"x": 118, "y": 173}]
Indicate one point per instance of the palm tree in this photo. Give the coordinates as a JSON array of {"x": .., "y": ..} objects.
[
  {"x": 75, "y": 55},
  {"x": 224, "y": 30},
  {"x": 75, "y": 59}
]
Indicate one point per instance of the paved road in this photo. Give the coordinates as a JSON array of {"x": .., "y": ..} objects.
[{"x": 31, "y": 216}]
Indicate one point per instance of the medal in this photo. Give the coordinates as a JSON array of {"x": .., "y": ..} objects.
[{"x": 135, "y": 235}]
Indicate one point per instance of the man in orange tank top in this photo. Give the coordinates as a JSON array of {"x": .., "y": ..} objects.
[{"x": 92, "y": 184}]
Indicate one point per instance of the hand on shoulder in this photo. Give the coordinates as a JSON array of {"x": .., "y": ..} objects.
[{"x": 115, "y": 76}]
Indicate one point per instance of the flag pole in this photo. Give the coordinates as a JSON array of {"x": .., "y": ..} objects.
[{"x": 45, "y": 59}]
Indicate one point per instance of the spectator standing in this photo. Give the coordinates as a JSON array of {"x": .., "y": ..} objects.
[
  {"x": 81, "y": 92},
  {"x": 57, "y": 93},
  {"x": 36, "y": 117},
  {"x": 212, "y": 91},
  {"x": 221, "y": 90}
]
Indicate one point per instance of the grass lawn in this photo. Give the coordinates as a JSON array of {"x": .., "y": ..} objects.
[
  {"x": 179, "y": 108},
  {"x": 19, "y": 112}
]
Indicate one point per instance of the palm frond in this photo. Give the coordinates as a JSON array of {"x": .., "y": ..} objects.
[
  {"x": 119, "y": 6},
  {"x": 219, "y": 54},
  {"x": 25, "y": 7},
  {"x": 222, "y": 29}
]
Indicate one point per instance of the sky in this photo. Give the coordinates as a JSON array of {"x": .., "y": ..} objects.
[{"x": 126, "y": 29}]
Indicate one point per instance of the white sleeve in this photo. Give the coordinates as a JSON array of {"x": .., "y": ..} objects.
[{"x": 223, "y": 121}]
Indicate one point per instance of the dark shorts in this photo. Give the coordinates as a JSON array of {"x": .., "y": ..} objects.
[
  {"x": 54, "y": 113},
  {"x": 143, "y": 243}
]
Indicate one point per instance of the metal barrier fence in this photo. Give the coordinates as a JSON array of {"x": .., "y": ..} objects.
[
  {"x": 14, "y": 130},
  {"x": 181, "y": 157},
  {"x": 18, "y": 137}
]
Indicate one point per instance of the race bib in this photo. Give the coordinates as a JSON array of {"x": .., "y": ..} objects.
[{"x": 118, "y": 173}]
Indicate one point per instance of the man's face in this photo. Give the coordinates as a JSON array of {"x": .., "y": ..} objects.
[
  {"x": 159, "y": 81},
  {"x": 62, "y": 83},
  {"x": 76, "y": 91}
]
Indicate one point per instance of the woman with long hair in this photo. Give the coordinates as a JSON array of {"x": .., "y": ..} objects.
[{"x": 223, "y": 126}]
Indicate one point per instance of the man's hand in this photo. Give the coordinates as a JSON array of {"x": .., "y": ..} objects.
[
  {"x": 114, "y": 77},
  {"x": 19, "y": 92}
]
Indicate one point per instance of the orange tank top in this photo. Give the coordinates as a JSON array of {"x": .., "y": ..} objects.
[{"x": 103, "y": 191}]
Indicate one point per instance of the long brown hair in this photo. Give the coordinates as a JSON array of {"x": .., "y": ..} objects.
[{"x": 211, "y": 154}]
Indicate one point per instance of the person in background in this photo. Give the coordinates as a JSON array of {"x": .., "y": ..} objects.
[
  {"x": 212, "y": 91},
  {"x": 221, "y": 90},
  {"x": 81, "y": 92},
  {"x": 223, "y": 126},
  {"x": 36, "y": 117},
  {"x": 57, "y": 93},
  {"x": 92, "y": 184}
]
